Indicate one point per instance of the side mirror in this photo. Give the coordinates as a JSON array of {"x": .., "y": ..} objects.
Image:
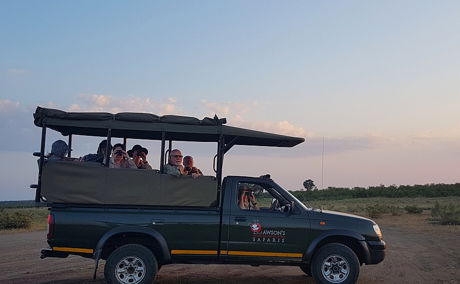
[{"x": 37, "y": 154}]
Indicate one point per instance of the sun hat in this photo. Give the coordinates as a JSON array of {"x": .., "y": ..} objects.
[{"x": 137, "y": 148}]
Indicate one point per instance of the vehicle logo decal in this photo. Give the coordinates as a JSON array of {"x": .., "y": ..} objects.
[
  {"x": 260, "y": 235},
  {"x": 255, "y": 227}
]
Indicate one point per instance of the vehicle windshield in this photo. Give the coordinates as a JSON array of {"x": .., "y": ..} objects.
[{"x": 305, "y": 206}]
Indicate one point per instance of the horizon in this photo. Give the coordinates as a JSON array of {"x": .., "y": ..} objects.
[
  {"x": 304, "y": 190},
  {"x": 377, "y": 81}
]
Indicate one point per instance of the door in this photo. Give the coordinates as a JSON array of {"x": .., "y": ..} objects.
[{"x": 261, "y": 225}]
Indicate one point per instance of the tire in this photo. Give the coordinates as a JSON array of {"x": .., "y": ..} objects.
[
  {"x": 131, "y": 264},
  {"x": 306, "y": 268},
  {"x": 335, "y": 263}
]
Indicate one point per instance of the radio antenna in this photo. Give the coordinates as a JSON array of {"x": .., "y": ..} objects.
[{"x": 322, "y": 167}]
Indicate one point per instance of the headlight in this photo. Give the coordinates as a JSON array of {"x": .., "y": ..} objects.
[{"x": 377, "y": 230}]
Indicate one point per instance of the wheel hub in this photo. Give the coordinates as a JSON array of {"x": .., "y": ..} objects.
[
  {"x": 130, "y": 270},
  {"x": 335, "y": 268}
]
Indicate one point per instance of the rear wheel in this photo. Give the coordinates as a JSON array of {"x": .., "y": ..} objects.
[
  {"x": 335, "y": 263},
  {"x": 131, "y": 264}
]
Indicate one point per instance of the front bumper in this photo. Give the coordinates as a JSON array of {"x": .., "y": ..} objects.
[{"x": 376, "y": 251}]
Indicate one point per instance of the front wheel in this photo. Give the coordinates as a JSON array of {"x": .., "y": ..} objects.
[
  {"x": 131, "y": 264},
  {"x": 335, "y": 263}
]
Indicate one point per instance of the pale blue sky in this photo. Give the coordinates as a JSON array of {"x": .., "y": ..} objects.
[{"x": 380, "y": 80}]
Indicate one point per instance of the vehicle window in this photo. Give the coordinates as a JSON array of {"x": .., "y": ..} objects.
[{"x": 260, "y": 197}]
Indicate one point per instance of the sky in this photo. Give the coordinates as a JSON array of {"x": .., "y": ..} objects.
[{"x": 377, "y": 81}]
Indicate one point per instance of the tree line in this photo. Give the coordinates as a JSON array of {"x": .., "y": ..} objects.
[{"x": 392, "y": 191}]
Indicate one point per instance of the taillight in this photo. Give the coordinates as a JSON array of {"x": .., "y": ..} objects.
[{"x": 50, "y": 226}]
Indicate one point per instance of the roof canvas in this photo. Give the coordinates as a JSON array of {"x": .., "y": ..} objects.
[{"x": 151, "y": 126}]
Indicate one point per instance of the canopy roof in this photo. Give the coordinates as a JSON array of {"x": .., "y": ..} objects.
[{"x": 150, "y": 126}]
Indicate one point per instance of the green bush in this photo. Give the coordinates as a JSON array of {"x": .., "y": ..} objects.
[
  {"x": 447, "y": 214},
  {"x": 392, "y": 191},
  {"x": 353, "y": 209},
  {"x": 436, "y": 210},
  {"x": 396, "y": 211},
  {"x": 413, "y": 209},
  {"x": 376, "y": 211},
  {"x": 15, "y": 220}
]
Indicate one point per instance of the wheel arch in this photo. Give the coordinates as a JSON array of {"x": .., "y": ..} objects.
[
  {"x": 119, "y": 236},
  {"x": 351, "y": 239}
]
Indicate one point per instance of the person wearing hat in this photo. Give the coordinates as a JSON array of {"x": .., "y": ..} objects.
[
  {"x": 139, "y": 156},
  {"x": 59, "y": 150}
]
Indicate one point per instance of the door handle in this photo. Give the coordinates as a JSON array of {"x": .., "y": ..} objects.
[
  {"x": 240, "y": 219},
  {"x": 158, "y": 221}
]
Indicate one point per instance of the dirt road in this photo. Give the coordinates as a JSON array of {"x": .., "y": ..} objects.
[{"x": 417, "y": 253}]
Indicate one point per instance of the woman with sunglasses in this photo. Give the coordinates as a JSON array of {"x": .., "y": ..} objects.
[{"x": 120, "y": 159}]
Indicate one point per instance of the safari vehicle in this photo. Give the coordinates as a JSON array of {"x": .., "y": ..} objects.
[{"x": 139, "y": 220}]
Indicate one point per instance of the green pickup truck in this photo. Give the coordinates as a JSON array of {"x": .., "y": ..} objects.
[{"x": 139, "y": 220}]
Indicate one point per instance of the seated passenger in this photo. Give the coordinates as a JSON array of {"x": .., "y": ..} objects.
[
  {"x": 99, "y": 157},
  {"x": 174, "y": 165},
  {"x": 59, "y": 151},
  {"x": 189, "y": 169},
  {"x": 246, "y": 199},
  {"x": 120, "y": 159},
  {"x": 139, "y": 155}
]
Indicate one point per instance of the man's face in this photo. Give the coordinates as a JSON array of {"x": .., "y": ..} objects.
[
  {"x": 188, "y": 162},
  {"x": 139, "y": 156},
  {"x": 175, "y": 158}
]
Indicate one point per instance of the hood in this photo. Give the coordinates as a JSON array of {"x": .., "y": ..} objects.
[
  {"x": 328, "y": 214},
  {"x": 323, "y": 220}
]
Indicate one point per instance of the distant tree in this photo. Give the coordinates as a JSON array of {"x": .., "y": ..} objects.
[{"x": 309, "y": 185}]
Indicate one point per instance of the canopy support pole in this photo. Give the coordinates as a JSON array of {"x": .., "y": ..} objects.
[
  {"x": 69, "y": 154},
  {"x": 107, "y": 149},
  {"x": 162, "y": 159},
  {"x": 220, "y": 161},
  {"x": 230, "y": 144},
  {"x": 168, "y": 152},
  {"x": 41, "y": 162}
]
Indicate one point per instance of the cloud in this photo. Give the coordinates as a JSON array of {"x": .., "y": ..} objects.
[
  {"x": 435, "y": 134},
  {"x": 236, "y": 114},
  {"x": 280, "y": 127},
  {"x": 314, "y": 147},
  {"x": 100, "y": 102},
  {"x": 8, "y": 106}
]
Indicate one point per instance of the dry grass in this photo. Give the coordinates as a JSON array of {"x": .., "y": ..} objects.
[
  {"x": 382, "y": 206},
  {"x": 37, "y": 217}
]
